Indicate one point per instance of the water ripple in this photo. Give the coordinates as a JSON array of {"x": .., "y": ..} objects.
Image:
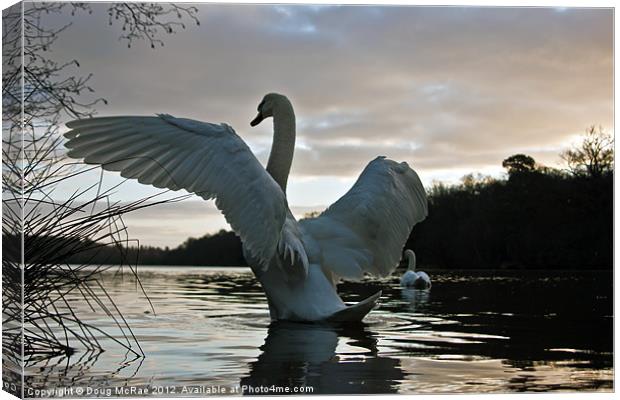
[{"x": 482, "y": 331}]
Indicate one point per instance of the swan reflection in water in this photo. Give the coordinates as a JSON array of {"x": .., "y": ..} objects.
[
  {"x": 417, "y": 299},
  {"x": 299, "y": 354}
]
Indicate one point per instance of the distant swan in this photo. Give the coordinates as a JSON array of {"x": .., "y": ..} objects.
[
  {"x": 298, "y": 263},
  {"x": 411, "y": 278}
]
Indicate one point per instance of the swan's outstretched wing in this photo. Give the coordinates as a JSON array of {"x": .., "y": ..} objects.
[
  {"x": 207, "y": 159},
  {"x": 366, "y": 229}
]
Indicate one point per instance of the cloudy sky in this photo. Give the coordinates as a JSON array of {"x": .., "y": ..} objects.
[{"x": 449, "y": 90}]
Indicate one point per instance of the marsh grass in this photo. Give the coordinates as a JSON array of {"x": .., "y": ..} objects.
[
  {"x": 41, "y": 234},
  {"x": 42, "y": 229}
]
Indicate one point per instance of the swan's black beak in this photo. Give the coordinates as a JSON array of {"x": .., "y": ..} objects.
[{"x": 257, "y": 120}]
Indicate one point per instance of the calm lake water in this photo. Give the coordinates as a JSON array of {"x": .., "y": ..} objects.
[{"x": 481, "y": 331}]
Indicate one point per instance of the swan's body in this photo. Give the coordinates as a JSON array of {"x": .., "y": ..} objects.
[
  {"x": 298, "y": 263},
  {"x": 411, "y": 278}
]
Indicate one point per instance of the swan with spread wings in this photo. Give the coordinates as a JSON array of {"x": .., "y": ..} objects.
[{"x": 298, "y": 263}]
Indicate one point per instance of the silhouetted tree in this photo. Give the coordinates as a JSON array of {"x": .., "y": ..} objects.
[
  {"x": 541, "y": 219},
  {"x": 312, "y": 214},
  {"x": 519, "y": 163},
  {"x": 594, "y": 156}
]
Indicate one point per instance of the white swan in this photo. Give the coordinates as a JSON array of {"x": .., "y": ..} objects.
[
  {"x": 298, "y": 263},
  {"x": 411, "y": 278}
]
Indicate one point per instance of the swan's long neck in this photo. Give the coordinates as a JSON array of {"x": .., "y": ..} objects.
[
  {"x": 283, "y": 146},
  {"x": 411, "y": 261}
]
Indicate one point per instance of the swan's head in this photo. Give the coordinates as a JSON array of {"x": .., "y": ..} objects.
[{"x": 270, "y": 102}]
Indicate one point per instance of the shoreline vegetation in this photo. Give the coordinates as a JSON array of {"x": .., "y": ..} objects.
[
  {"x": 535, "y": 218},
  {"x": 42, "y": 322}
]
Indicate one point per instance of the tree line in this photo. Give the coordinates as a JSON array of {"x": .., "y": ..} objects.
[
  {"x": 220, "y": 249},
  {"x": 536, "y": 218}
]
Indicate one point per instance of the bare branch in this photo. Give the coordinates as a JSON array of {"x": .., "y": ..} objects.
[
  {"x": 594, "y": 156},
  {"x": 145, "y": 21}
]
